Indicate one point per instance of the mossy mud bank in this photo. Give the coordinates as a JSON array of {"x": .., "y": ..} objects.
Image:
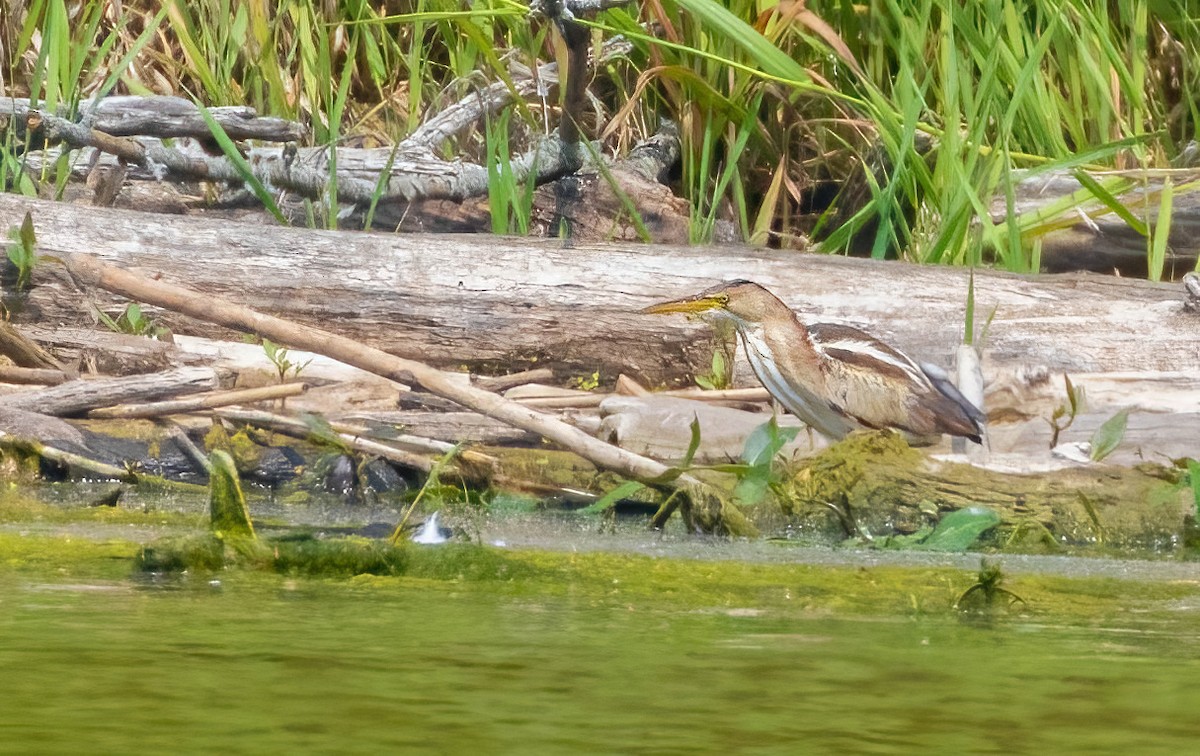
[
  {"x": 871, "y": 488},
  {"x": 49, "y": 543}
]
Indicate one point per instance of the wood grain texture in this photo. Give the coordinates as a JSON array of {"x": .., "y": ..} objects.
[{"x": 516, "y": 303}]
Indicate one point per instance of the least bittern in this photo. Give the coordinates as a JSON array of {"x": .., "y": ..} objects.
[{"x": 835, "y": 378}]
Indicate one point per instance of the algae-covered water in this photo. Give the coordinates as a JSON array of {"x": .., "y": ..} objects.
[
  {"x": 252, "y": 663},
  {"x": 564, "y": 637}
]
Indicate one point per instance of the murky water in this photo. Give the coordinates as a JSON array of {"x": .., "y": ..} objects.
[
  {"x": 258, "y": 664},
  {"x": 768, "y": 658}
]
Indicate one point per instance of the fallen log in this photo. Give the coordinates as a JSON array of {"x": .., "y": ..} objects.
[
  {"x": 877, "y": 485},
  {"x": 703, "y": 507},
  {"x": 74, "y": 397},
  {"x": 1090, "y": 236},
  {"x": 501, "y": 304}
]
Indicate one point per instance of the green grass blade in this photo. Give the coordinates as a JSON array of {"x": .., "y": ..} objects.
[
  {"x": 241, "y": 166},
  {"x": 1160, "y": 236}
]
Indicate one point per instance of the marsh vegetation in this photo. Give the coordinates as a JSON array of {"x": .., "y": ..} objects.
[{"x": 915, "y": 130}]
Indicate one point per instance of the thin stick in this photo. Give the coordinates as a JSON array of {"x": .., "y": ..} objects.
[
  {"x": 68, "y": 458},
  {"x": 499, "y": 383},
  {"x": 290, "y": 426},
  {"x": 32, "y": 376},
  {"x": 293, "y": 427},
  {"x": 200, "y": 401},
  {"x": 594, "y": 400},
  {"x": 92, "y": 271}
]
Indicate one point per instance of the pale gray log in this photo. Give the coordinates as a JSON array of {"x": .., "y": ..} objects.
[
  {"x": 168, "y": 117},
  {"x": 516, "y": 303},
  {"x": 79, "y": 396}
]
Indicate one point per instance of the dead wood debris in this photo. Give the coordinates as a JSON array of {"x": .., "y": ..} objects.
[
  {"x": 123, "y": 136},
  {"x": 97, "y": 397},
  {"x": 706, "y": 511}
]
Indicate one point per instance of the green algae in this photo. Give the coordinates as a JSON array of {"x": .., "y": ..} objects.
[
  {"x": 229, "y": 516},
  {"x": 676, "y": 584},
  {"x": 79, "y": 506},
  {"x": 65, "y": 557}
]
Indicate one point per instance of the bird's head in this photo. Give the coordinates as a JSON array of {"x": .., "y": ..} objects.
[{"x": 746, "y": 301}]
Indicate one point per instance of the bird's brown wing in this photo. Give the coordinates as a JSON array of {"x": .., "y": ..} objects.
[{"x": 881, "y": 386}]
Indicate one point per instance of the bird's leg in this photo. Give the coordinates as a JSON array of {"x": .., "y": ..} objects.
[
  {"x": 846, "y": 517},
  {"x": 667, "y": 508}
]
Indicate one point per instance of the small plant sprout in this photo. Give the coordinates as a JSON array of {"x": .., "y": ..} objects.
[
  {"x": 280, "y": 358},
  {"x": 1109, "y": 435},
  {"x": 135, "y": 323},
  {"x": 587, "y": 382},
  {"x": 21, "y": 253},
  {"x": 1192, "y": 480},
  {"x": 989, "y": 585},
  {"x": 719, "y": 376},
  {"x": 1072, "y": 408}
]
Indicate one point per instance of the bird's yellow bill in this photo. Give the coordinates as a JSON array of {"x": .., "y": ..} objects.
[{"x": 689, "y": 306}]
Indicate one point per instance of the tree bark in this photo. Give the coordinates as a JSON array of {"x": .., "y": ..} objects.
[
  {"x": 499, "y": 304},
  {"x": 74, "y": 397}
]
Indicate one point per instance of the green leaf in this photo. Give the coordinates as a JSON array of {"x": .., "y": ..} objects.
[
  {"x": 28, "y": 239},
  {"x": 108, "y": 321},
  {"x": 765, "y": 442},
  {"x": 1112, "y": 203},
  {"x": 693, "y": 445},
  {"x": 628, "y": 488},
  {"x": 1161, "y": 232},
  {"x": 1193, "y": 468},
  {"x": 720, "y": 21},
  {"x": 752, "y": 485},
  {"x": 322, "y": 433},
  {"x": 959, "y": 529},
  {"x": 1074, "y": 396},
  {"x": 1108, "y": 436}
]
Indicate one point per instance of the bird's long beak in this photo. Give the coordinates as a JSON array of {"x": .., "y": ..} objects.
[{"x": 689, "y": 305}]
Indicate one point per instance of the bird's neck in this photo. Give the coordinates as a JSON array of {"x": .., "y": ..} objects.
[{"x": 787, "y": 334}]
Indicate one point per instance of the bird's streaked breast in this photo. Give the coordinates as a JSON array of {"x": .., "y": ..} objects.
[{"x": 803, "y": 403}]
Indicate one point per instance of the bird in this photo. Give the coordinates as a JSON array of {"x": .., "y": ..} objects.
[{"x": 835, "y": 378}]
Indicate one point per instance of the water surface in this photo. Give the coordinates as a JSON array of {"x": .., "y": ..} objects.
[{"x": 254, "y": 663}]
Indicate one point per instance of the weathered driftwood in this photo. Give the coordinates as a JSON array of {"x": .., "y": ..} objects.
[
  {"x": 501, "y": 382},
  {"x": 414, "y": 174},
  {"x": 414, "y": 171},
  {"x": 703, "y": 507},
  {"x": 23, "y": 352},
  {"x": 451, "y": 427},
  {"x": 589, "y": 205},
  {"x": 165, "y": 118},
  {"x": 32, "y": 376},
  {"x": 95, "y": 349},
  {"x": 507, "y": 304},
  {"x": 199, "y": 402},
  {"x": 74, "y": 397},
  {"x": 1097, "y": 239}
]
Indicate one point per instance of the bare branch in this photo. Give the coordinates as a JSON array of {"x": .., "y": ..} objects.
[{"x": 166, "y": 118}]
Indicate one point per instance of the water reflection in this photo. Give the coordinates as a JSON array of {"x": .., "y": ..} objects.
[{"x": 265, "y": 664}]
